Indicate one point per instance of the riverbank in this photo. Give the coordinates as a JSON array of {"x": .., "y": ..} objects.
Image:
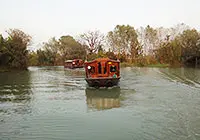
[
  {"x": 123, "y": 64},
  {"x": 7, "y": 69},
  {"x": 148, "y": 65},
  {"x": 4, "y": 69}
]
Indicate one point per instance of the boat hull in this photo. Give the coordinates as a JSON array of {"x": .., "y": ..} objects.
[{"x": 102, "y": 82}]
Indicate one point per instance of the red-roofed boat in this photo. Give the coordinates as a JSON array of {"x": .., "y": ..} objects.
[
  {"x": 75, "y": 63},
  {"x": 102, "y": 72}
]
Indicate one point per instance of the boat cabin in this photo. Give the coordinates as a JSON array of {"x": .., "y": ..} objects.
[
  {"x": 102, "y": 72},
  {"x": 76, "y": 63}
]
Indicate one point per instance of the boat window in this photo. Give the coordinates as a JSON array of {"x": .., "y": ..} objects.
[
  {"x": 105, "y": 68},
  {"x": 99, "y": 67},
  {"x": 113, "y": 68}
]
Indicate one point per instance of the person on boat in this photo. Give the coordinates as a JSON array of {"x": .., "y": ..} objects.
[
  {"x": 114, "y": 75},
  {"x": 113, "y": 68}
]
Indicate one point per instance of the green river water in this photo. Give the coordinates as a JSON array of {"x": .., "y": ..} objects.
[{"x": 53, "y": 103}]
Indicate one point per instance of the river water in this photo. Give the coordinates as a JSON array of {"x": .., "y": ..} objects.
[{"x": 51, "y": 103}]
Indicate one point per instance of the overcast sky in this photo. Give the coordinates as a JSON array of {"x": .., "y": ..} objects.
[{"x": 43, "y": 19}]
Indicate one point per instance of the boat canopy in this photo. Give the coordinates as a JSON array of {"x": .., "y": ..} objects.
[
  {"x": 68, "y": 61},
  {"x": 102, "y": 67}
]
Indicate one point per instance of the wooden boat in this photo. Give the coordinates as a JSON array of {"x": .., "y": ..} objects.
[
  {"x": 75, "y": 63},
  {"x": 102, "y": 72}
]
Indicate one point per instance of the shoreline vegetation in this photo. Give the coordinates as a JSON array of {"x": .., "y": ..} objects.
[
  {"x": 4, "y": 70},
  {"x": 150, "y": 65},
  {"x": 122, "y": 65},
  {"x": 177, "y": 46}
]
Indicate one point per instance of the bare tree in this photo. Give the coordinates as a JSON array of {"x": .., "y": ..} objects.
[{"x": 94, "y": 39}]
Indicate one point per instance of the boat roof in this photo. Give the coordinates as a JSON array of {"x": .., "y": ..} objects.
[
  {"x": 68, "y": 60},
  {"x": 77, "y": 59},
  {"x": 103, "y": 59}
]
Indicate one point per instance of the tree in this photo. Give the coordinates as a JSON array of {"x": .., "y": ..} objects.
[
  {"x": 17, "y": 43},
  {"x": 51, "y": 49},
  {"x": 42, "y": 58},
  {"x": 4, "y": 53},
  {"x": 94, "y": 39},
  {"x": 110, "y": 54},
  {"x": 150, "y": 39},
  {"x": 189, "y": 43},
  {"x": 70, "y": 49},
  {"x": 123, "y": 39},
  {"x": 183, "y": 46},
  {"x": 32, "y": 58},
  {"x": 169, "y": 52}
]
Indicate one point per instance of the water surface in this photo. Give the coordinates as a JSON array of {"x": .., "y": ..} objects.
[{"x": 53, "y": 103}]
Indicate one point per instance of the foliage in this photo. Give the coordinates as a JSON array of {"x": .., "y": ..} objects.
[
  {"x": 69, "y": 48},
  {"x": 42, "y": 58},
  {"x": 123, "y": 40},
  {"x": 169, "y": 52},
  {"x": 176, "y": 51},
  {"x": 189, "y": 43},
  {"x": 13, "y": 49},
  {"x": 125, "y": 64},
  {"x": 111, "y": 55},
  {"x": 51, "y": 49},
  {"x": 4, "y": 52},
  {"x": 145, "y": 47},
  {"x": 55, "y": 52},
  {"x": 151, "y": 38},
  {"x": 148, "y": 38},
  {"x": 32, "y": 58},
  {"x": 158, "y": 65}
]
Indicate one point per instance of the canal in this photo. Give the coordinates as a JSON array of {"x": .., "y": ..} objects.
[{"x": 50, "y": 103}]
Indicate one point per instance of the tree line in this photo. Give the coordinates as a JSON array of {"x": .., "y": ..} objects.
[{"x": 140, "y": 47}]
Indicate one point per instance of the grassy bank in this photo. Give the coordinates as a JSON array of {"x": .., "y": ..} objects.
[
  {"x": 125, "y": 64},
  {"x": 4, "y": 69},
  {"x": 159, "y": 65},
  {"x": 8, "y": 69}
]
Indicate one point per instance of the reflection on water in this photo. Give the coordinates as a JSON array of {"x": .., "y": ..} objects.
[
  {"x": 188, "y": 76},
  {"x": 15, "y": 93},
  {"x": 52, "y": 103},
  {"x": 103, "y": 98},
  {"x": 74, "y": 72}
]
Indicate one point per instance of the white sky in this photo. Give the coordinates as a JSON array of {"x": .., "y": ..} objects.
[{"x": 43, "y": 19}]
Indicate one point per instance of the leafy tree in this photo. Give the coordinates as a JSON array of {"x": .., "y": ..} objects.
[
  {"x": 69, "y": 48},
  {"x": 17, "y": 43},
  {"x": 123, "y": 39},
  {"x": 42, "y": 57},
  {"x": 169, "y": 52},
  {"x": 111, "y": 55},
  {"x": 189, "y": 43},
  {"x": 51, "y": 49},
  {"x": 32, "y": 59},
  {"x": 4, "y": 53},
  {"x": 182, "y": 47}
]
